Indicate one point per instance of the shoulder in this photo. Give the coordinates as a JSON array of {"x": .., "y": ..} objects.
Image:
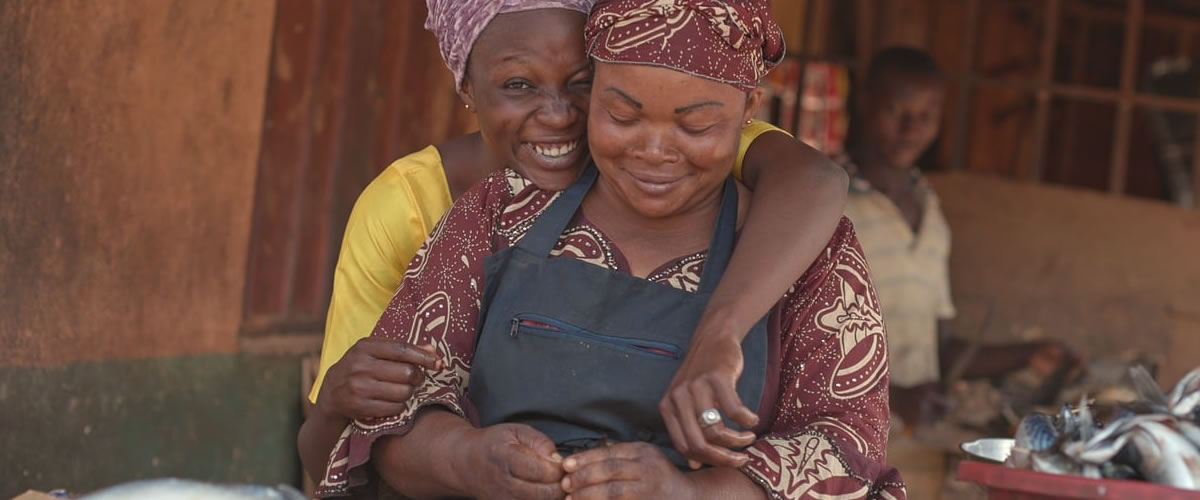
[
  {"x": 757, "y": 128},
  {"x": 414, "y": 184}
]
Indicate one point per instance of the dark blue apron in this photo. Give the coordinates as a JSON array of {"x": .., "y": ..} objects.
[{"x": 583, "y": 353}]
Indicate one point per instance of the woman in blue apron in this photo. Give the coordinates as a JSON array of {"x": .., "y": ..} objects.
[{"x": 561, "y": 318}]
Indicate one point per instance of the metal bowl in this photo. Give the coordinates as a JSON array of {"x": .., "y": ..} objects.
[{"x": 995, "y": 450}]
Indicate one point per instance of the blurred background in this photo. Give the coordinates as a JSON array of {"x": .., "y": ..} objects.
[{"x": 175, "y": 177}]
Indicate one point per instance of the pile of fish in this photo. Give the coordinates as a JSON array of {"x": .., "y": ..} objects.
[{"x": 1156, "y": 438}]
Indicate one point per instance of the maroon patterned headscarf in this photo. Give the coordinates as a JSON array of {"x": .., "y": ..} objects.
[
  {"x": 730, "y": 41},
  {"x": 458, "y": 23}
]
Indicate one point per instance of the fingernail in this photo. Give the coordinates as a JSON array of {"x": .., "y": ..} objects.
[
  {"x": 556, "y": 457},
  {"x": 569, "y": 463},
  {"x": 566, "y": 484}
]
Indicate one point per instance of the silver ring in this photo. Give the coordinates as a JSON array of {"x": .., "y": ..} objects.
[{"x": 710, "y": 417}]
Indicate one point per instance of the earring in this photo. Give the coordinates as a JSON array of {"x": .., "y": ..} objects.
[
  {"x": 747, "y": 123},
  {"x": 468, "y": 106}
]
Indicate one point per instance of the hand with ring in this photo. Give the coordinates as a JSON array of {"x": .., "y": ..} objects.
[{"x": 701, "y": 397}]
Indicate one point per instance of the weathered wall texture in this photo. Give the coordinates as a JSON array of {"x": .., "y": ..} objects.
[
  {"x": 129, "y": 136},
  {"x": 1104, "y": 273},
  {"x": 129, "y": 140},
  {"x": 85, "y": 426}
]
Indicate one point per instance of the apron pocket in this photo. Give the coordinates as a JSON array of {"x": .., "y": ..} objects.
[{"x": 544, "y": 326}]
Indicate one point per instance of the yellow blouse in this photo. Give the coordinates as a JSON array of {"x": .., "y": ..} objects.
[{"x": 389, "y": 222}]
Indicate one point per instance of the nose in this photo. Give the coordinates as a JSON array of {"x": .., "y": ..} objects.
[
  {"x": 656, "y": 149},
  {"x": 557, "y": 112}
]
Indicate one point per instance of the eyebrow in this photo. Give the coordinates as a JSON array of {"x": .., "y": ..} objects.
[
  {"x": 632, "y": 101},
  {"x": 680, "y": 110},
  {"x": 693, "y": 107}
]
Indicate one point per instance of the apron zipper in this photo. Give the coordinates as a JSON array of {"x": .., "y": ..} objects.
[{"x": 516, "y": 324}]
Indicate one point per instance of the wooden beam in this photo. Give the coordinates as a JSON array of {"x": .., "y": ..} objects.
[
  {"x": 1041, "y": 123},
  {"x": 1129, "y": 70},
  {"x": 1071, "y": 122},
  {"x": 1117, "y": 16},
  {"x": 1196, "y": 167},
  {"x": 818, "y": 24},
  {"x": 865, "y": 32},
  {"x": 962, "y": 112},
  {"x": 793, "y": 22}
]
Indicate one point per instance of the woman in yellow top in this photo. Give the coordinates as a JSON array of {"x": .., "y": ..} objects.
[{"x": 532, "y": 111}]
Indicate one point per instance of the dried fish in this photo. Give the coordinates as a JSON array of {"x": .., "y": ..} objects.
[
  {"x": 1037, "y": 432},
  {"x": 1156, "y": 438}
]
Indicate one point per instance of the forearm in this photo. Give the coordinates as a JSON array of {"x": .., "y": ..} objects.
[
  {"x": 318, "y": 435},
  {"x": 799, "y": 198},
  {"x": 425, "y": 462},
  {"x": 721, "y": 483}
]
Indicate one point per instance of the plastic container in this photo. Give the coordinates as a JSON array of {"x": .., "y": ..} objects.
[{"x": 1006, "y": 483}]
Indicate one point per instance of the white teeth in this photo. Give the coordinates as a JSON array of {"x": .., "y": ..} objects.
[{"x": 555, "y": 150}]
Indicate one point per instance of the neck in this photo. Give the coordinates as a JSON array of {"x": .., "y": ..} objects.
[
  {"x": 466, "y": 160},
  {"x": 883, "y": 175},
  {"x": 647, "y": 242}
]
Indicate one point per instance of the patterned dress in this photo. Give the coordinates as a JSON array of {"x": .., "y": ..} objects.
[{"x": 824, "y": 416}]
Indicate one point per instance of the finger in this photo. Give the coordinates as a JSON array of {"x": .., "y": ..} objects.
[
  {"x": 396, "y": 372},
  {"x": 386, "y": 392},
  {"x": 527, "y": 465},
  {"x": 670, "y": 415},
  {"x": 616, "y": 469},
  {"x": 535, "y": 456},
  {"x": 689, "y": 424},
  {"x": 720, "y": 435},
  {"x": 731, "y": 404},
  {"x": 375, "y": 408},
  {"x": 619, "y": 451},
  {"x": 402, "y": 351},
  {"x": 539, "y": 443},
  {"x": 700, "y": 448}
]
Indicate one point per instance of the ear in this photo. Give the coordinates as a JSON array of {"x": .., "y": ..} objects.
[
  {"x": 467, "y": 93},
  {"x": 754, "y": 99}
]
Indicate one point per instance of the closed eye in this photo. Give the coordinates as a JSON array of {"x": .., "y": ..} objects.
[{"x": 621, "y": 121}]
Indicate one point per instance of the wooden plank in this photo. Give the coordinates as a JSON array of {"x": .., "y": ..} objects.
[
  {"x": 392, "y": 61},
  {"x": 907, "y": 23},
  {"x": 1041, "y": 124},
  {"x": 1072, "y": 119},
  {"x": 791, "y": 18},
  {"x": 820, "y": 13},
  {"x": 1087, "y": 93},
  {"x": 963, "y": 112},
  {"x": 312, "y": 269},
  {"x": 1196, "y": 167},
  {"x": 1129, "y": 69},
  {"x": 867, "y": 16},
  {"x": 284, "y": 153},
  {"x": 1094, "y": 12}
]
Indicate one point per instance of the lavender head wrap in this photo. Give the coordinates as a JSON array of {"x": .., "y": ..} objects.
[{"x": 457, "y": 23}]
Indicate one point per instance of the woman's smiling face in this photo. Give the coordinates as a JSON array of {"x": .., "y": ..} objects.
[
  {"x": 663, "y": 139},
  {"x": 529, "y": 81}
]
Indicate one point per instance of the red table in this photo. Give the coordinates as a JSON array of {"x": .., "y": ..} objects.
[{"x": 1005, "y": 483}]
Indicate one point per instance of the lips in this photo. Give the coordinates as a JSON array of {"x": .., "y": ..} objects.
[
  {"x": 655, "y": 184},
  {"x": 554, "y": 150}
]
